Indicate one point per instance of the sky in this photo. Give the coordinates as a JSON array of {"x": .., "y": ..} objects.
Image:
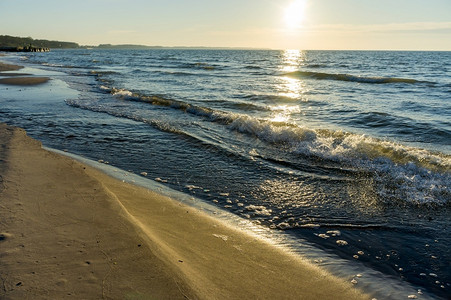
[{"x": 274, "y": 24}]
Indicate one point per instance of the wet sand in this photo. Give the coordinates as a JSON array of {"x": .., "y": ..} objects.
[
  {"x": 24, "y": 80},
  {"x": 8, "y": 67},
  {"x": 64, "y": 236},
  {"x": 18, "y": 78},
  {"x": 68, "y": 230}
]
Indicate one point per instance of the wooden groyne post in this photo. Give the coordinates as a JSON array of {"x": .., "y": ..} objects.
[{"x": 24, "y": 49}]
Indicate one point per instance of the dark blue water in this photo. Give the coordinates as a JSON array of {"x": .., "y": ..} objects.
[{"x": 326, "y": 146}]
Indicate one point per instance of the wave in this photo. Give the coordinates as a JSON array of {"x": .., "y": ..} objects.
[
  {"x": 252, "y": 67},
  {"x": 58, "y": 66},
  {"x": 199, "y": 65},
  {"x": 338, "y": 143},
  {"x": 399, "y": 173},
  {"x": 100, "y": 73},
  {"x": 178, "y": 73},
  {"x": 277, "y": 98},
  {"x": 246, "y": 106},
  {"x": 317, "y": 66},
  {"x": 389, "y": 124},
  {"x": 352, "y": 78},
  {"x": 53, "y": 65},
  {"x": 239, "y": 105}
]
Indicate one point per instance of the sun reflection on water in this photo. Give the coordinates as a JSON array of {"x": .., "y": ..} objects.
[
  {"x": 291, "y": 89},
  {"x": 282, "y": 113},
  {"x": 291, "y": 59}
]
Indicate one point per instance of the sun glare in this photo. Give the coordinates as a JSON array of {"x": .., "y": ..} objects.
[{"x": 294, "y": 14}]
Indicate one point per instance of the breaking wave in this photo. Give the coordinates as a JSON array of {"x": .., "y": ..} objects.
[
  {"x": 352, "y": 78},
  {"x": 416, "y": 176}
]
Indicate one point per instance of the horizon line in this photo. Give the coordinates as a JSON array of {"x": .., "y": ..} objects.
[{"x": 130, "y": 45}]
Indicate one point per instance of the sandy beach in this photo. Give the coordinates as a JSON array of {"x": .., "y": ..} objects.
[
  {"x": 8, "y": 67},
  {"x": 22, "y": 79},
  {"x": 70, "y": 231},
  {"x": 63, "y": 236}
]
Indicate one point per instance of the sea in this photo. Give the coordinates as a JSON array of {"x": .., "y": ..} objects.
[{"x": 343, "y": 157}]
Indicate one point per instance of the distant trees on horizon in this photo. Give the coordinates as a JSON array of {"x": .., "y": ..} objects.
[{"x": 12, "y": 41}]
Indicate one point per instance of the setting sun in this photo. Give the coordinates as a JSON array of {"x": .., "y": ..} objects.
[{"x": 294, "y": 14}]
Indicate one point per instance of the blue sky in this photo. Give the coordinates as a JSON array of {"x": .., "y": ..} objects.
[{"x": 318, "y": 24}]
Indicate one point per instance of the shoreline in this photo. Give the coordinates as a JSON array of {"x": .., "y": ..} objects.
[
  {"x": 205, "y": 258},
  {"x": 20, "y": 79},
  {"x": 63, "y": 236}
]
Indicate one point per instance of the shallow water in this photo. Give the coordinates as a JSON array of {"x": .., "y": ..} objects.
[{"x": 326, "y": 146}]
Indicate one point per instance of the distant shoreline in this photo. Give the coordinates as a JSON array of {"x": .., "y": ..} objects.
[
  {"x": 14, "y": 42},
  {"x": 24, "y": 49}
]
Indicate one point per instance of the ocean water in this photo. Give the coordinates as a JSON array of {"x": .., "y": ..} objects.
[{"x": 348, "y": 152}]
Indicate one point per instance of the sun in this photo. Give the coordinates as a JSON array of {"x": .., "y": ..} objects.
[{"x": 294, "y": 14}]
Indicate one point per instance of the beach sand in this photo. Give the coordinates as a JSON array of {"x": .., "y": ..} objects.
[
  {"x": 18, "y": 78},
  {"x": 70, "y": 231},
  {"x": 63, "y": 234},
  {"x": 24, "y": 80},
  {"x": 8, "y": 67}
]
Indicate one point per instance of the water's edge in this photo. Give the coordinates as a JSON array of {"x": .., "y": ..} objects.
[{"x": 370, "y": 281}]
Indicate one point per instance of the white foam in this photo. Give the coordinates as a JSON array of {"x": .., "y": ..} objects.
[
  {"x": 413, "y": 175},
  {"x": 121, "y": 93},
  {"x": 400, "y": 173},
  {"x": 259, "y": 210},
  {"x": 342, "y": 242},
  {"x": 334, "y": 232}
]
